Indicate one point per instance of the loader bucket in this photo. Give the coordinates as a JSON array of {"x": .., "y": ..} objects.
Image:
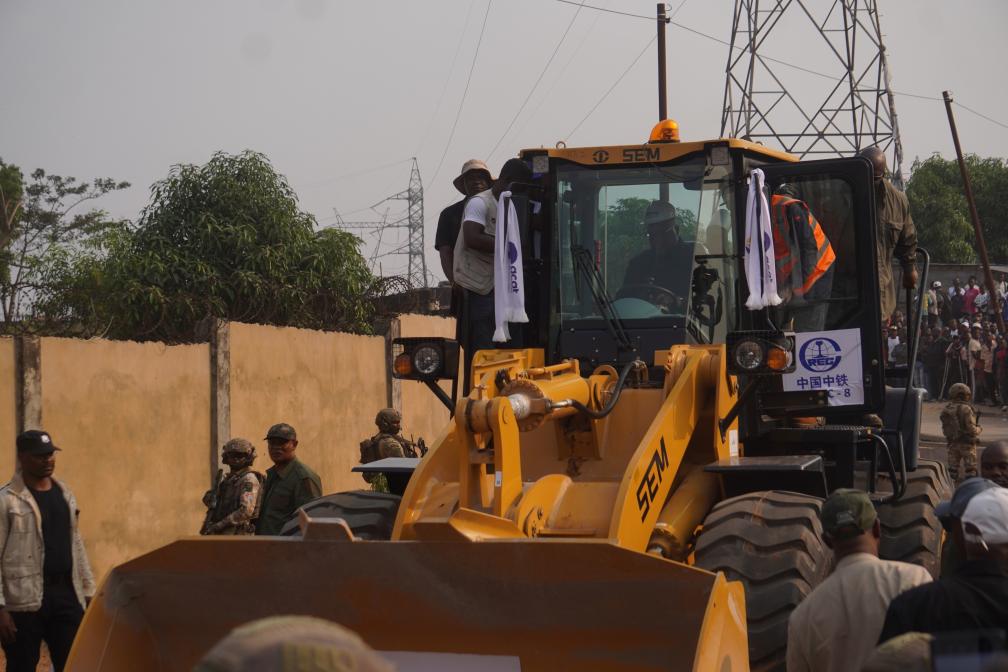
[{"x": 536, "y": 605}]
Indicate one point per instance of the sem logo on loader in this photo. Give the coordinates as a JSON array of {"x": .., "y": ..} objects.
[
  {"x": 600, "y": 156},
  {"x": 648, "y": 487},
  {"x": 641, "y": 154}
]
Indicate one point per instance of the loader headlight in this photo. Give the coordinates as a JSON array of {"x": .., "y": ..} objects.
[
  {"x": 424, "y": 358},
  {"x": 754, "y": 353},
  {"x": 749, "y": 355},
  {"x": 427, "y": 360}
]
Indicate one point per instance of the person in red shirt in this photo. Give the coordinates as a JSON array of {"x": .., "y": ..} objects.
[{"x": 969, "y": 296}]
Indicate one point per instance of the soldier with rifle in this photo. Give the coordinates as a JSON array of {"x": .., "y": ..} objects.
[
  {"x": 389, "y": 441},
  {"x": 233, "y": 503}
]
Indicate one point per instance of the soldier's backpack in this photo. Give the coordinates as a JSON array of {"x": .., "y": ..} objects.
[
  {"x": 369, "y": 450},
  {"x": 950, "y": 422}
]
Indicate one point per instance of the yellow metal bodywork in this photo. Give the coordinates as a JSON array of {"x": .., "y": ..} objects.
[
  {"x": 524, "y": 536},
  {"x": 651, "y": 152},
  {"x": 507, "y": 543}
]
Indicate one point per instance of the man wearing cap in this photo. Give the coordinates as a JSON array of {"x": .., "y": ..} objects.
[
  {"x": 950, "y": 514},
  {"x": 290, "y": 483},
  {"x": 474, "y": 178},
  {"x": 44, "y": 571},
  {"x": 474, "y": 262},
  {"x": 292, "y": 644},
  {"x": 236, "y": 499},
  {"x": 662, "y": 273},
  {"x": 975, "y": 596},
  {"x": 836, "y": 627}
]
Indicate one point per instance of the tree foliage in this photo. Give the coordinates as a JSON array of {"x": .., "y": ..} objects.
[
  {"x": 940, "y": 211},
  {"x": 225, "y": 240},
  {"x": 41, "y": 218}
]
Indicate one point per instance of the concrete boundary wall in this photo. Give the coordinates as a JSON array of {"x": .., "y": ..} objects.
[{"x": 142, "y": 424}]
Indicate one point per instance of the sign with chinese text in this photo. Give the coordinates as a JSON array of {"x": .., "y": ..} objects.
[{"x": 829, "y": 360}]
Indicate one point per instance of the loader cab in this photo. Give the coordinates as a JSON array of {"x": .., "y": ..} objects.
[{"x": 640, "y": 247}]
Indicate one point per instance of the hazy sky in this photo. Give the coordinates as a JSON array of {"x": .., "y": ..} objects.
[{"x": 340, "y": 95}]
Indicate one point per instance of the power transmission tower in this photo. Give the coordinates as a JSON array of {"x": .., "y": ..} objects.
[
  {"x": 413, "y": 222},
  {"x": 775, "y": 99},
  {"x": 417, "y": 268}
]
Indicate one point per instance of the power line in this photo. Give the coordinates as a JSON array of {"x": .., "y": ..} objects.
[
  {"x": 465, "y": 92},
  {"x": 982, "y": 116},
  {"x": 444, "y": 89},
  {"x": 606, "y": 9},
  {"x": 549, "y": 62},
  {"x": 365, "y": 171},
  {"x": 615, "y": 84}
]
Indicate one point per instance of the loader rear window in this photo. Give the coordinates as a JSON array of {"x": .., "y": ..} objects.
[{"x": 657, "y": 240}]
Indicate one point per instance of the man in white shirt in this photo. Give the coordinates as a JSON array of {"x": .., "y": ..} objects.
[
  {"x": 836, "y": 627},
  {"x": 473, "y": 262}
]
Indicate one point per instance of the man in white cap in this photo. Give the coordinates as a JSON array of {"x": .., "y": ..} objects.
[
  {"x": 975, "y": 596},
  {"x": 474, "y": 178}
]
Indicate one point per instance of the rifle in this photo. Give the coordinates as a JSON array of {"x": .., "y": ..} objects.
[{"x": 211, "y": 501}]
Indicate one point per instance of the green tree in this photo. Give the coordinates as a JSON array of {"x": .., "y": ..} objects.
[
  {"x": 940, "y": 211},
  {"x": 39, "y": 219},
  {"x": 225, "y": 240}
]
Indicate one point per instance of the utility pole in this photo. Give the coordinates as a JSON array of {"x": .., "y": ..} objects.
[
  {"x": 663, "y": 188},
  {"x": 662, "y": 82},
  {"x": 977, "y": 229}
]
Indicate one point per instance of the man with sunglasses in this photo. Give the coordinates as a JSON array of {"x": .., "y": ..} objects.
[{"x": 290, "y": 483}]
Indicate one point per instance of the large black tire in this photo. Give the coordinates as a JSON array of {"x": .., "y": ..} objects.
[
  {"x": 911, "y": 532},
  {"x": 370, "y": 515},
  {"x": 771, "y": 542}
]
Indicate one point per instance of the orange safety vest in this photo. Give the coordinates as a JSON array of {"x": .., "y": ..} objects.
[{"x": 798, "y": 239}]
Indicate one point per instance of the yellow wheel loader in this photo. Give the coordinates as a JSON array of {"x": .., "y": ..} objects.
[{"x": 634, "y": 480}]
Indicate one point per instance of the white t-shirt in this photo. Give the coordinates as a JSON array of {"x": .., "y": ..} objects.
[
  {"x": 476, "y": 211},
  {"x": 473, "y": 269}
]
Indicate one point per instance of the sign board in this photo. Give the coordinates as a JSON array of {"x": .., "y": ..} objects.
[{"x": 829, "y": 360}]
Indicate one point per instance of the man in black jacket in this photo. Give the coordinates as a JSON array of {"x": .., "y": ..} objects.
[{"x": 975, "y": 597}]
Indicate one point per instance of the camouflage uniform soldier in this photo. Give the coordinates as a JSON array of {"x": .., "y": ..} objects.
[
  {"x": 961, "y": 431},
  {"x": 236, "y": 506},
  {"x": 388, "y": 442}
]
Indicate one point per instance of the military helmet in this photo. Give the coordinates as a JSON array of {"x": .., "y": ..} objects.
[
  {"x": 387, "y": 417},
  {"x": 239, "y": 446},
  {"x": 960, "y": 392}
]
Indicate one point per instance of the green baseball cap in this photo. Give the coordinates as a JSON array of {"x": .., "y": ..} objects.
[
  {"x": 281, "y": 430},
  {"x": 847, "y": 513}
]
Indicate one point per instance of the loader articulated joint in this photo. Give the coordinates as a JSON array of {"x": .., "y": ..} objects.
[{"x": 635, "y": 365}]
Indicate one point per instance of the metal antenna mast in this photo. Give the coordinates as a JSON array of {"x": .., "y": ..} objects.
[
  {"x": 413, "y": 222},
  {"x": 854, "y": 111}
]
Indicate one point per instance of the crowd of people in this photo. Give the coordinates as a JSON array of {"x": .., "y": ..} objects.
[{"x": 960, "y": 342}]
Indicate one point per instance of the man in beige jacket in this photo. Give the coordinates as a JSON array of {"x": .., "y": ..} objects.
[{"x": 45, "y": 577}]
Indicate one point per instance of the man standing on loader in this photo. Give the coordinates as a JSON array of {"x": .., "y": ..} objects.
[
  {"x": 959, "y": 425},
  {"x": 897, "y": 235},
  {"x": 234, "y": 504}
]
